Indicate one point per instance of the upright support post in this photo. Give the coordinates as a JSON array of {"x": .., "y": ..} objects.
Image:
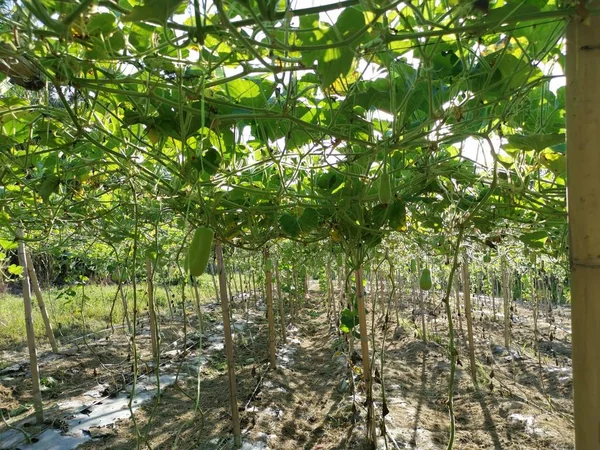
[
  {"x": 583, "y": 168},
  {"x": 270, "y": 315},
  {"x": 467, "y": 296},
  {"x": 152, "y": 312},
  {"x": 235, "y": 418},
  {"x": 506, "y": 297},
  {"x": 280, "y": 302},
  {"x": 366, "y": 361},
  {"x": 36, "y": 392},
  {"x": 40, "y": 300}
]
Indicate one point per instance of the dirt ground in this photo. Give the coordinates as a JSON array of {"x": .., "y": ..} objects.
[{"x": 314, "y": 399}]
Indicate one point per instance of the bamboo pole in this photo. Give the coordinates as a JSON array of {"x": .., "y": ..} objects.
[
  {"x": 235, "y": 418},
  {"x": 124, "y": 300},
  {"x": 295, "y": 299},
  {"x": 505, "y": 295},
  {"x": 468, "y": 316},
  {"x": 36, "y": 392},
  {"x": 583, "y": 131},
  {"x": 366, "y": 362},
  {"x": 152, "y": 312},
  {"x": 270, "y": 315},
  {"x": 40, "y": 300},
  {"x": 280, "y": 302}
]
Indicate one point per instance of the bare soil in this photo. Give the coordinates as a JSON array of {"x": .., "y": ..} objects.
[{"x": 315, "y": 398}]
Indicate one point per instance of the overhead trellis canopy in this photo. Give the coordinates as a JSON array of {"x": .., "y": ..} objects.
[{"x": 268, "y": 119}]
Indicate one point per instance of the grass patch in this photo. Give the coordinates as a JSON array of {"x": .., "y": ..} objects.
[{"x": 79, "y": 309}]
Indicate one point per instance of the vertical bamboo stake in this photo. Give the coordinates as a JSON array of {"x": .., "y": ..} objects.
[
  {"x": 460, "y": 316},
  {"x": 254, "y": 289},
  {"x": 36, "y": 392},
  {"x": 280, "y": 302},
  {"x": 40, "y": 300},
  {"x": 294, "y": 300},
  {"x": 492, "y": 294},
  {"x": 214, "y": 280},
  {"x": 306, "y": 285},
  {"x": 152, "y": 312},
  {"x": 124, "y": 300},
  {"x": 235, "y": 418},
  {"x": 583, "y": 131},
  {"x": 506, "y": 297},
  {"x": 168, "y": 299},
  {"x": 329, "y": 291},
  {"x": 270, "y": 315},
  {"x": 198, "y": 307},
  {"x": 234, "y": 283},
  {"x": 229, "y": 285},
  {"x": 468, "y": 316},
  {"x": 364, "y": 343}
]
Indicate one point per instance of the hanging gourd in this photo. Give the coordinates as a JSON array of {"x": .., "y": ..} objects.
[
  {"x": 425, "y": 281},
  {"x": 199, "y": 251}
]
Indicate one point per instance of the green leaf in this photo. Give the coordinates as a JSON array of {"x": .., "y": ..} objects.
[
  {"x": 348, "y": 320},
  {"x": 329, "y": 181},
  {"x": 249, "y": 92},
  {"x": 554, "y": 161},
  {"x": 289, "y": 225},
  {"x": 309, "y": 220},
  {"x": 337, "y": 61},
  {"x": 153, "y": 10},
  {"x": 535, "y": 239},
  {"x": 210, "y": 161},
  {"x": 116, "y": 42},
  {"x": 102, "y": 23},
  {"x": 8, "y": 245},
  {"x": 536, "y": 142},
  {"x": 50, "y": 184},
  {"x": 397, "y": 216}
]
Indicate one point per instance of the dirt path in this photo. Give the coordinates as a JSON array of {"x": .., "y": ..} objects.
[
  {"x": 301, "y": 405},
  {"x": 519, "y": 403},
  {"x": 307, "y": 402}
]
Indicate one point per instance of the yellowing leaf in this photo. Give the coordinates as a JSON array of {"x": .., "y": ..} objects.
[{"x": 13, "y": 269}]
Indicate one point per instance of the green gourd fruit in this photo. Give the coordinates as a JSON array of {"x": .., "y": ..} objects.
[
  {"x": 199, "y": 251},
  {"x": 413, "y": 265},
  {"x": 385, "y": 188},
  {"x": 487, "y": 258},
  {"x": 425, "y": 281}
]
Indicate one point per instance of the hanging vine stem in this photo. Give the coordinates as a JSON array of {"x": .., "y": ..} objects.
[
  {"x": 451, "y": 344},
  {"x": 386, "y": 322},
  {"x": 138, "y": 435}
]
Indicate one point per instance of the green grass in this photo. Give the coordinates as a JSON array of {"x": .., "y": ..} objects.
[{"x": 77, "y": 309}]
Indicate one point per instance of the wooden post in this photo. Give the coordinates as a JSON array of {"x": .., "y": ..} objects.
[
  {"x": 583, "y": 188},
  {"x": 152, "y": 312},
  {"x": 235, "y": 418},
  {"x": 467, "y": 296},
  {"x": 36, "y": 392},
  {"x": 364, "y": 343},
  {"x": 296, "y": 299},
  {"x": 214, "y": 280},
  {"x": 40, "y": 300},
  {"x": 505, "y": 295},
  {"x": 270, "y": 315},
  {"x": 306, "y": 285},
  {"x": 124, "y": 300},
  {"x": 280, "y": 302}
]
